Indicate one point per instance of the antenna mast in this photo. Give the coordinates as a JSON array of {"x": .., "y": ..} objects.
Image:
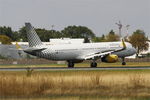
[
  {"x": 127, "y": 27},
  {"x": 52, "y": 27}
]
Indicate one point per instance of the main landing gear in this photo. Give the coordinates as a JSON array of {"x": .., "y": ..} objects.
[
  {"x": 70, "y": 64},
  {"x": 93, "y": 64},
  {"x": 123, "y": 61}
]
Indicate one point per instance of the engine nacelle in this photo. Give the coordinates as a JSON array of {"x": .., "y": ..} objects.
[{"x": 110, "y": 58}]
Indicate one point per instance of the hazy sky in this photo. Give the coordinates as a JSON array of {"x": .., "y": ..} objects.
[{"x": 99, "y": 15}]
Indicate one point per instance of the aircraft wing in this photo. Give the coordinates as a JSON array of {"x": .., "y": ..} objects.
[
  {"x": 96, "y": 55},
  {"x": 104, "y": 53},
  {"x": 100, "y": 54}
]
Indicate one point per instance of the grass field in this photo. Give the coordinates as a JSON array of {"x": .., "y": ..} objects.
[
  {"x": 118, "y": 64},
  {"x": 76, "y": 84}
]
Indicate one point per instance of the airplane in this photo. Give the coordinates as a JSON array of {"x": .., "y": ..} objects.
[{"x": 107, "y": 52}]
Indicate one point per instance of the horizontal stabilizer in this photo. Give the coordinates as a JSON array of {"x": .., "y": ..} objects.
[
  {"x": 33, "y": 49},
  {"x": 18, "y": 47}
]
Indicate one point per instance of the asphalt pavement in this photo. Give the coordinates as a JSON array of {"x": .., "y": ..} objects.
[{"x": 75, "y": 68}]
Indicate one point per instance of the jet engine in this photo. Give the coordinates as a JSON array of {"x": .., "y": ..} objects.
[{"x": 110, "y": 58}]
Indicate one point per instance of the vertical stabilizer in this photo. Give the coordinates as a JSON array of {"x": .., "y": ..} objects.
[{"x": 32, "y": 36}]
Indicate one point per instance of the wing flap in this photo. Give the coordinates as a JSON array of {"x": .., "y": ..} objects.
[
  {"x": 95, "y": 56},
  {"x": 104, "y": 53}
]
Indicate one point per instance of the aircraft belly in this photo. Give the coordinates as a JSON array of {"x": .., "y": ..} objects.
[
  {"x": 65, "y": 56},
  {"x": 61, "y": 55}
]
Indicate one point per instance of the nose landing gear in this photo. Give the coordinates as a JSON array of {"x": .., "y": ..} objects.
[
  {"x": 123, "y": 61},
  {"x": 70, "y": 64},
  {"x": 93, "y": 64}
]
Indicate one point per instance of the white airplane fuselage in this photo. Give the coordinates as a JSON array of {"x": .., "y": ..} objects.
[
  {"x": 79, "y": 51},
  {"x": 73, "y": 53}
]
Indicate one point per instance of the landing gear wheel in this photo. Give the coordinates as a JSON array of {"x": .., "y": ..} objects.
[
  {"x": 70, "y": 64},
  {"x": 123, "y": 63},
  {"x": 93, "y": 64}
]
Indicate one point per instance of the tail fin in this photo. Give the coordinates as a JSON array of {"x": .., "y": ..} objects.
[{"x": 32, "y": 36}]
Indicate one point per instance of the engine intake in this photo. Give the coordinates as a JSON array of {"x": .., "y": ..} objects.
[{"x": 110, "y": 58}]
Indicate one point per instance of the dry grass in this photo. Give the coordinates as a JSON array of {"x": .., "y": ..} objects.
[
  {"x": 76, "y": 98},
  {"x": 81, "y": 83}
]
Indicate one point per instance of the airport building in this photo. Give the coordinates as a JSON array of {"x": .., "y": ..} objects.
[{"x": 66, "y": 41}]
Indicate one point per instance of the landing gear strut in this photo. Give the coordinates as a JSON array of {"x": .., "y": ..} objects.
[
  {"x": 70, "y": 64},
  {"x": 93, "y": 64},
  {"x": 123, "y": 61}
]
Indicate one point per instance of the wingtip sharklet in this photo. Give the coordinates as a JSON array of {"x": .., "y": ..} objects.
[{"x": 123, "y": 43}]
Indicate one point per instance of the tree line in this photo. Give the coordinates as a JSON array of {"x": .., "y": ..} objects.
[
  {"x": 45, "y": 35},
  {"x": 138, "y": 38}
]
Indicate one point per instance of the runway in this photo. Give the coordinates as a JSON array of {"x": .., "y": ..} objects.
[{"x": 73, "y": 69}]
